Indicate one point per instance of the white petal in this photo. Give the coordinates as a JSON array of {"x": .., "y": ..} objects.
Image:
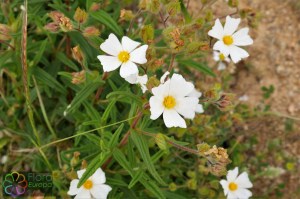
[
  {"x": 128, "y": 68},
  {"x": 232, "y": 195},
  {"x": 237, "y": 54},
  {"x": 156, "y": 107},
  {"x": 195, "y": 93},
  {"x": 241, "y": 38},
  {"x": 187, "y": 106},
  {"x": 112, "y": 45},
  {"x": 231, "y": 25},
  {"x": 232, "y": 174},
  {"x": 224, "y": 184},
  {"x": 162, "y": 90},
  {"x": 217, "y": 30},
  {"x": 139, "y": 55},
  {"x": 109, "y": 63},
  {"x": 163, "y": 78},
  {"x": 219, "y": 45},
  {"x": 173, "y": 119},
  {"x": 216, "y": 56},
  {"x": 128, "y": 44},
  {"x": 221, "y": 66},
  {"x": 80, "y": 173},
  {"x": 83, "y": 194},
  {"x": 199, "y": 108},
  {"x": 243, "y": 181},
  {"x": 98, "y": 177},
  {"x": 179, "y": 87},
  {"x": 142, "y": 79},
  {"x": 132, "y": 79},
  {"x": 243, "y": 193},
  {"x": 73, "y": 190},
  {"x": 100, "y": 191}
]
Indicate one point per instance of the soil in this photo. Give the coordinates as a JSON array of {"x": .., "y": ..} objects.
[{"x": 274, "y": 60}]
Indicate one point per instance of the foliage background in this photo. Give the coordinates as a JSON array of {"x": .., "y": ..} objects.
[{"x": 261, "y": 136}]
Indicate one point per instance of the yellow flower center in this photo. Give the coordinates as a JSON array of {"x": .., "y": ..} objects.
[
  {"x": 169, "y": 102},
  {"x": 123, "y": 56},
  {"x": 222, "y": 56},
  {"x": 232, "y": 186},
  {"x": 228, "y": 40},
  {"x": 88, "y": 184}
]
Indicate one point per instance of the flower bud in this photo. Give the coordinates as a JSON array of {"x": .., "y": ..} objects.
[
  {"x": 4, "y": 32},
  {"x": 126, "y": 15},
  {"x": 172, "y": 186},
  {"x": 192, "y": 184},
  {"x": 203, "y": 148},
  {"x": 75, "y": 159},
  {"x": 95, "y": 6},
  {"x": 147, "y": 33},
  {"x": 80, "y": 15},
  {"x": 233, "y": 3},
  {"x": 225, "y": 103},
  {"x": 65, "y": 24},
  {"x": 78, "y": 77},
  {"x": 77, "y": 54},
  {"x": 55, "y": 16},
  {"x": 173, "y": 8},
  {"x": 52, "y": 27},
  {"x": 91, "y": 31},
  {"x": 152, "y": 83},
  {"x": 160, "y": 140}
]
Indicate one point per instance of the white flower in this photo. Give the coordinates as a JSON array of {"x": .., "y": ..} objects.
[
  {"x": 171, "y": 99},
  {"x": 221, "y": 59},
  {"x": 136, "y": 79},
  {"x": 126, "y": 55},
  {"x": 236, "y": 187},
  {"x": 197, "y": 94},
  {"x": 229, "y": 39},
  {"x": 94, "y": 187}
]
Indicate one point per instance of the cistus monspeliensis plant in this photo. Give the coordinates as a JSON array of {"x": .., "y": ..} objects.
[{"x": 124, "y": 93}]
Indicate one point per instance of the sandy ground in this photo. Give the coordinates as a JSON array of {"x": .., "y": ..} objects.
[{"x": 274, "y": 60}]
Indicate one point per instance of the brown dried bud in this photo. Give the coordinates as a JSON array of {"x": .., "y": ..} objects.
[
  {"x": 219, "y": 154},
  {"x": 95, "y": 6},
  {"x": 78, "y": 77},
  {"x": 55, "y": 16},
  {"x": 126, "y": 15},
  {"x": 80, "y": 15},
  {"x": 65, "y": 24},
  {"x": 225, "y": 103},
  {"x": 4, "y": 32},
  {"x": 77, "y": 54},
  {"x": 52, "y": 27},
  {"x": 91, "y": 31}
]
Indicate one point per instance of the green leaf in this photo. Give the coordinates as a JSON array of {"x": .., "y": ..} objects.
[
  {"x": 65, "y": 60},
  {"x": 185, "y": 12},
  {"x": 199, "y": 66},
  {"x": 121, "y": 159},
  {"x": 143, "y": 148},
  {"x": 40, "y": 53},
  {"x": 151, "y": 186},
  {"x": 83, "y": 94},
  {"x": 93, "y": 166},
  {"x": 106, "y": 19},
  {"x": 108, "y": 109},
  {"x": 47, "y": 79},
  {"x": 136, "y": 177},
  {"x": 123, "y": 94},
  {"x": 114, "y": 140},
  {"x": 3, "y": 142}
]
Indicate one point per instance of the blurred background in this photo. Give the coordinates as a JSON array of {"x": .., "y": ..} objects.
[{"x": 270, "y": 79}]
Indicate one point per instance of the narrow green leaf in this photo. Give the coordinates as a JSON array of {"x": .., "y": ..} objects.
[
  {"x": 121, "y": 159},
  {"x": 143, "y": 148},
  {"x": 121, "y": 94},
  {"x": 40, "y": 53},
  {"x": 114, "y": 140},
  {"x": 185, "y": 12},
  {"x": 65, "y": 60},
  {"x": 107, "y": 111},
  {"x": 199, "y": 66},
  {"x": 106, "y": 19},
  {"x": 93, "y": 166},
  {"x": 47, "y": 79},
  {"x": 83, "y": 94},
  {"x": 136, "y": 177},
  {"x": 151, "y": 186}
]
